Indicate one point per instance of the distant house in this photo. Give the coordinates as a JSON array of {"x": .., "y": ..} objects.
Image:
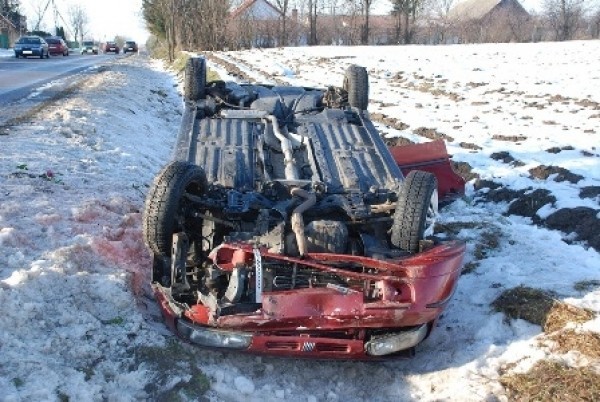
[
  {"x": 9, "y": 31},
  {"x": 490, "y": 21},
  {"x": 255, "y": 23}
]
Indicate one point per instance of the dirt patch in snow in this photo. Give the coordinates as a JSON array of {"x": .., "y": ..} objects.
[
  {"x": 528, "y": 204},
  {"x": 464, "y": 170},
  {"x": 392, "y": 122},
  {"x": 173, "y": 380},
  {"x": 556, "y": 150},
  {"x": 397, "y": 141},
  {"x": 469, "y": 145},
  {"x": 589, "y": 192},
  {"x": 509, "y": 138},
  {"x": 497, "y": 193},
  {"x": 543, "y": 172},
  {"x": 432, "y": 134},
  {"x": 526, "y": 303},
  {"x": 581, "y": 221},
  {"x": 506, "y": 157}
]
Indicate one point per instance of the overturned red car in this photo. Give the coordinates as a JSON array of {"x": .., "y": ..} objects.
[{"x": 285, "y": 226}]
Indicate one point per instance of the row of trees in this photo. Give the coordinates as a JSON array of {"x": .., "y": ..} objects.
[
  {"x": 204, "y": 24},
  {"x": 76, "y": 20}
]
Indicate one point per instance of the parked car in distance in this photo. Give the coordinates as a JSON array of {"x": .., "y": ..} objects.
[
  {"x": 27, "y": 46},
  {"x": 130, "y": 46},
  {"x": 57, "y": 46},
  {"x": 88, "y": 46},
  {"x": 111, "y": 47}
]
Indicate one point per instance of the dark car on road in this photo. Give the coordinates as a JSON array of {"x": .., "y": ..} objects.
[
  {"x": 57, "y": 46},
  {"x": 111, "y": 47},
  {"x": 130, "y": 46},
  {"x": 27, "y": 46}
]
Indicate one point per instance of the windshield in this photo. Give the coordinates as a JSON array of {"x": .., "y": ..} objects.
[
  {"x": 29, "y": 41},
  {"x": 130, "y": 43},
  {"x": 87, "y": 43},
  {"x": 53, "y": 41}
]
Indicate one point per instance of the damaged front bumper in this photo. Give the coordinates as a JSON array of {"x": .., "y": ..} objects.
[{"x": 331, "y": 322}]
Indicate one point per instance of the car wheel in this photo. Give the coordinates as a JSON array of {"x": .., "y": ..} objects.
[
  {"x": 47, "y": 55},
  {"x": 416, "y": 211},
  {"x": 195, "y": 79},
  {"x": 42, "y": 55},
  {"x": 356, "y": 83},
  {"x": 166, "y": 204}
]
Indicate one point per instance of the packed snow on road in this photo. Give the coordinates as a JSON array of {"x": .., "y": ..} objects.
[{"x": 79, "y": 322}]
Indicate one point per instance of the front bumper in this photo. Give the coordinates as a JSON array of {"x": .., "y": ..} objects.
[
  {"x": 332, "y": 322},
  {"x": 29, "y": 52},
  {"x": 302, "y": 346}
]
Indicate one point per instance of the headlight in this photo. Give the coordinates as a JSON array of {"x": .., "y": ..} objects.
[
  {"x": 392, "y": 343},
  {"x": 215, "y": 338}
]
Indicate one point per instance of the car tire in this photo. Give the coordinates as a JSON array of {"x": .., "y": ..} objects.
[
  {"x": 42, "y": 55},
  {"x": 47, "y": 55},
  {"x": 356, "y": 83},
  {"x": 416, "y": 210},
  {"x": 195, "y": 79},
  {"x": 165, "y": 204}
]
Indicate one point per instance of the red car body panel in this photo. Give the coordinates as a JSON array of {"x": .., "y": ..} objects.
[{"x": 431, "y": 157}]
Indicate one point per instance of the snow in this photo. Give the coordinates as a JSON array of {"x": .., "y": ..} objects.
[
  {"x": 79, "y": 322},
  {"x": 7, "y": 53}
]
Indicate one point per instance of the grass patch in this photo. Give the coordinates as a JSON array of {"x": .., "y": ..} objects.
[
  {"x": 489, "y": 240},
  {"x": 470, "y": 267},
  {"x": 553, "y": 381},
  {"x": 562, "y": 313},
  {"x": 539, "y": 307},
  {"x": 169, "y": 362},
  {"x": 586, "y": 343},
  {"x": 529, "y": 304}
]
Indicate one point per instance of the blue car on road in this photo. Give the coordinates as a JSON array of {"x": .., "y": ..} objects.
[{"x": 31, "y": 46}]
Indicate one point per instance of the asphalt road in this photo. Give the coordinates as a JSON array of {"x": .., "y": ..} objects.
[{"x": 20, "y": 77}]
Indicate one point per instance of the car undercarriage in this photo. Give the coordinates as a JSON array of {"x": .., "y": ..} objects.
[{"x": 284, "y": 225}]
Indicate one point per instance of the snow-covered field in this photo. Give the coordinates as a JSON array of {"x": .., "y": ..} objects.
[{"x": 78, "y": 321}]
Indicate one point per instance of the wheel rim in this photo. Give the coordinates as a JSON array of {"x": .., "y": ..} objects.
[{"x": 432, "y": 214}]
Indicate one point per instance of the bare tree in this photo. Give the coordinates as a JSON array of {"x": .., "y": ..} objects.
[
  {"x": 366, "y": 8},
  {"x": 283, "y": 35},
  {"x": 312, "y": 22},
  {"x": 406, "y": 12},
  {"x": 595, "y": 24},
  {"x": 78, "y": 19},
  {"x": 38, "y": 7},
  {"x": 564, "y": 17},
  {"x": 440, "y": 10}
]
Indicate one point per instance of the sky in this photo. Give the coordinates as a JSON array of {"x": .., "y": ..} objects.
[{"x": 107, "y": 18}]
